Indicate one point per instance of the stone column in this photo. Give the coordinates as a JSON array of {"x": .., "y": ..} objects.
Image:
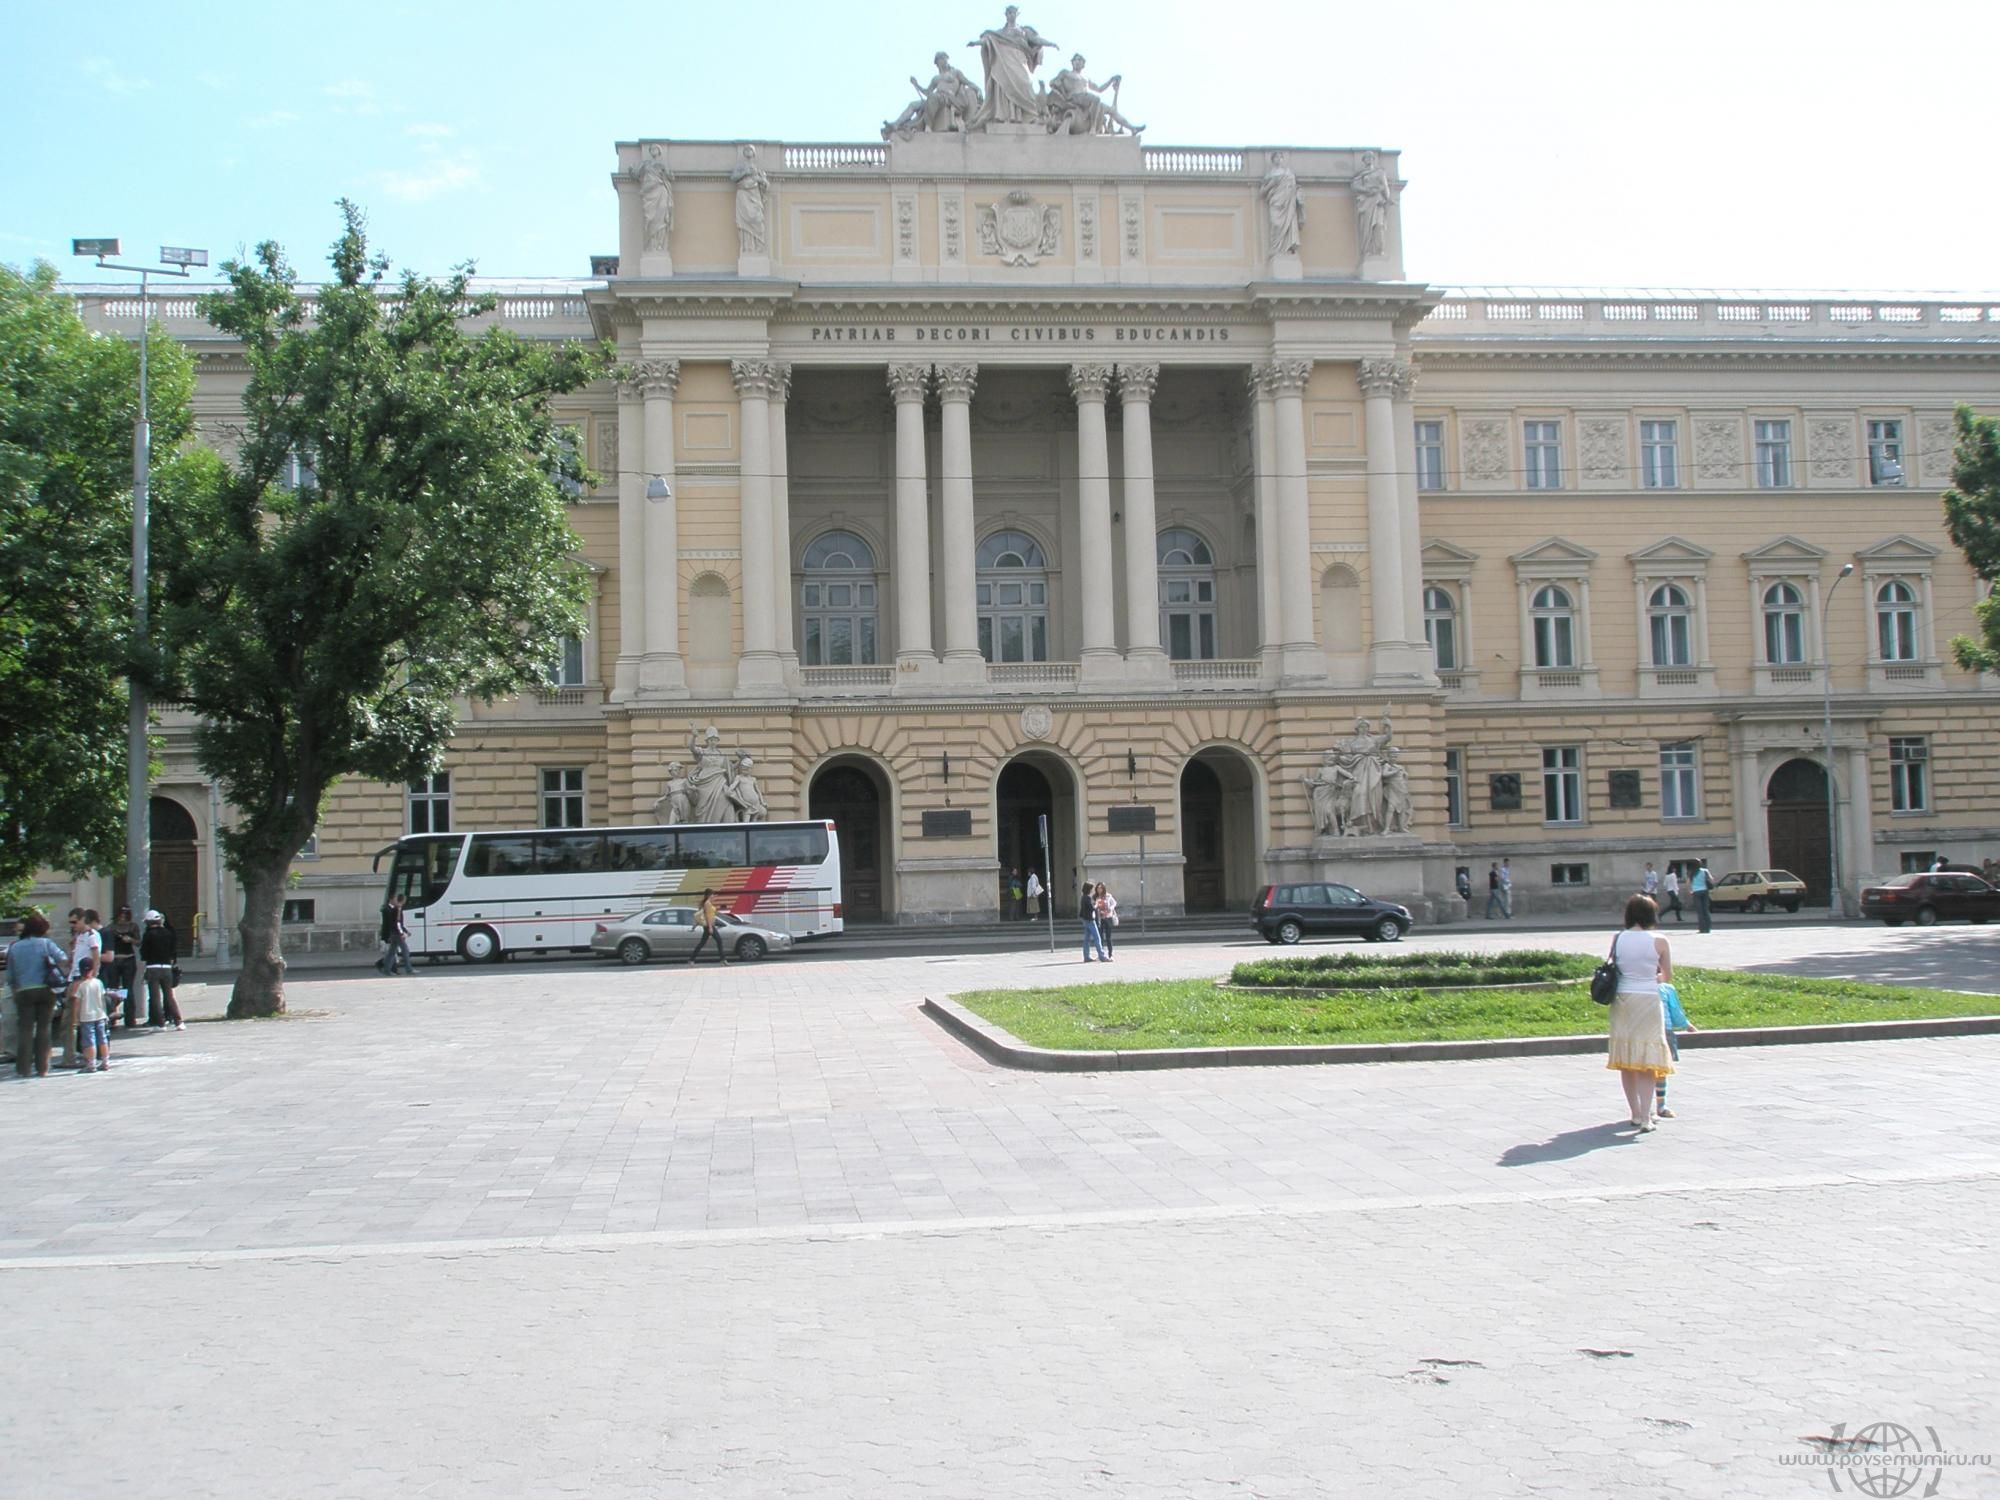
[
  {"x": 631, "y": 536},
  {"x": 914, "y": 657},
  {"x": 1300, "y": 653},
  {"x": 962, "y": 661},
  {"x": 662, "y": 672},
  {"x": 1382, "y": 381},
  {"x": 781, "y": 525},
  {"x": 1751, "y": 832},
  {"x": 1264, "y": 436},
  {"x": 1857, "y": 859},
  {"x": 1144, "y": 656},
  {"x": 1088, "y": 383},
  {"x": 758, "y": 670},
  {"x": 1408, "y": 502}
]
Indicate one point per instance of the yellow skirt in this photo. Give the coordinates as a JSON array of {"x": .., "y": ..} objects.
[{"x": 1639, "y": 1034}]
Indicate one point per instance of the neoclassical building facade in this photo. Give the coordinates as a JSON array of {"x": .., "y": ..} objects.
[{"x": 981, "y": 476}]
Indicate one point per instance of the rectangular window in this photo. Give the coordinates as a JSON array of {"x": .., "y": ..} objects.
[
  {"x": 1454, "y": 788},
  {"x": 569, "y": 458},
  {"x": 1909, "y": 774},
  {"x": 1885, "y": 451},
  {"x": 1677, "y": 782},
  {"x": 1543, "y": 441},
  {"x": 298, "y": 912},
  {"x": 310, "y": 848},
  {"x": 1774, "y": 454},
  {"x": 711, "y": 849},
  {"x": 1659, "y": 455},
  {"x": 1430, "y": 455},
  {"x": 429, "y": 804},
  {"x": 562, "y": 798},
  {"x": 1569, "y": 874},
  {"x": 1916, "y": 861},
  {"x": 567, "y": 669},
  {"x": 297, "y": 473},
  {"x": 1562, "y": 784}
]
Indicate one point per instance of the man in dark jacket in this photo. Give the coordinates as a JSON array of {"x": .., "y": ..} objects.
[
  {"x": 396, "y": 937},
  {"x": 157, "y": 951}
]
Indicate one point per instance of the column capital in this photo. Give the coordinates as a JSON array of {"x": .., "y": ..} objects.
[
  {"x": 1388, "y": 377},
  {"x": 781, "y": 382},
  {"x": 1286, "y": 377},
  {"x": 909, "y": 382},
  {"x": 754, "y": 377},
  {"x": 1137, "y": 382},
  {"x": 957, "y": 382},
  {"x": 1089, "y": 382},
  {"x": 650, "y": 377}
]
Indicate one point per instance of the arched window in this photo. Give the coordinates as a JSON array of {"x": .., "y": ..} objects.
[
  {"x": 1441, "y": 627},
  {"x": 1896, "y": 621},
  {"x": 1784, "y": 625},
  {"x": 837, "y": 603},
  {"x": 1671, "y": 619},
  {"x": 1013, "y": 598},
  {"x": 1555, "y": 627},
  {"x": 1187, "y": 596}
]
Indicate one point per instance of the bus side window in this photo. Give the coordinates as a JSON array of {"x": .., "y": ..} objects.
[
  {"x": 787, "y": 846},
  {"x": 639, "y": 851},
  {"x": 710, "y": 849},
  {"x": 569, "y": 854},
  {"x": 502, "y": 855}
]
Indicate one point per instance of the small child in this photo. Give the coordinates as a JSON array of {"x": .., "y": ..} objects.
[
  {"x": 1670, "y": 1002},
  {"x": 86, "y": 1008}
]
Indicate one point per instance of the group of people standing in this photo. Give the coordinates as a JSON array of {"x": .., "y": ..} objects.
[
  {"x": 1097, "y": 910},
  {"x": 73, "y": 992},
  {"x": 1665, "y": 893}
]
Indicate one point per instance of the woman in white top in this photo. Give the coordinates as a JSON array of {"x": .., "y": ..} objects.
[{"x": 1638, "y": 1020}]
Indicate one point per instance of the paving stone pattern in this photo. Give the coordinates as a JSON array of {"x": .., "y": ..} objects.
[{"x": 765, "y": 1231}]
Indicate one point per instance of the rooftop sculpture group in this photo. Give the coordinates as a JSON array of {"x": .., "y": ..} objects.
[{"x": 1070, "y": 104}]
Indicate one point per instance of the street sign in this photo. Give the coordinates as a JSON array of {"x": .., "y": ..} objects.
[
  {"x": 1132, "y": 818},
  {"x": 93, "y": 247},
  {"x": 948, "y": 823}
]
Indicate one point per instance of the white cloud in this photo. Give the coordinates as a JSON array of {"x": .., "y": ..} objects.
[
  {"x": 272, "y": 118},
  {"x": 429, "y": 130},
  {"x": 106, "y": 75},
  {"x": 352, "y": 96},
  {"x": 431, "y": 176}
]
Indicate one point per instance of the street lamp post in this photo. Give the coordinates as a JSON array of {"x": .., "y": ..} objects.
[
  {"x": 1836, "y": 899},
  {"x": 174, "y": 261}
]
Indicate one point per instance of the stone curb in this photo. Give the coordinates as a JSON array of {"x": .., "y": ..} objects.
[{"x": 1003, "y": 1048}]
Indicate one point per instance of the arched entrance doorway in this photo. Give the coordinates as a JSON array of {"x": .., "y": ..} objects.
[
  {"x": 1796, "y": 824},
  {"x": 173, "y": 877},
  {"x": 1219, "y": 831},
  {"x": 1031, "y": 787},
  {"x": 854, "y": 797}
]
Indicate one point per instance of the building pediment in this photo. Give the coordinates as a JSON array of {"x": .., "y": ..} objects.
[
  {"x": 1898, "y": 549},
  {"x": 1440, "y": 555},
  {"x": 1786, "y": 549},
  {"x": 1553, "y": 557},
  {"x": 1672, "y": 551}
]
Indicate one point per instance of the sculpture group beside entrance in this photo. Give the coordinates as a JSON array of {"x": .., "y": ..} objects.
[
  {"x": 1361, "y": 786},
  {"x": 1009, "y": 54},
  {"x": 718, "y": 789}
]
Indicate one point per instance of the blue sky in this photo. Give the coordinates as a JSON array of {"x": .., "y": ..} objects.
[{"x": 1760, "y": 143}]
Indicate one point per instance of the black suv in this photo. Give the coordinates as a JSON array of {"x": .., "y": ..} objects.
[{"x": 1286, "y": 913}]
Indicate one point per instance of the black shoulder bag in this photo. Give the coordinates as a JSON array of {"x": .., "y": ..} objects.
[{"x": 1604, "y": 978}]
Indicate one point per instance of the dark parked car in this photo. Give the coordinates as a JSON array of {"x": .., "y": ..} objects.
[
  {"x": 1286, "y": 913},
  {"x": 1931, "y": 896}
]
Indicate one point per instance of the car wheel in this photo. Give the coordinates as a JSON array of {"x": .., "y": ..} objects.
[
  {"x": 1892, "y": 921},
  {"x": 1388, "y": 930},
  {"x": 1289, "y": 931},
  {"x": 751, "y": 949},
  {"x": 1927, "y": 916},
  {"x": 1754, "y": 905},
  {"x": 1792, "y": 906},
  {"x": 634, "y": 951},
  {"x": 480, "y": 945}
]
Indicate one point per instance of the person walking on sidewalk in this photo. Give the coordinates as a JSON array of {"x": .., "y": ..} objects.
[
  {"x": 1107, "y": 917},
  {"x": 121, "y": 974},
  {"x": 709, "y": 920},
  {"x": 158, "y": 950},
  {"x": 1673, "y": 891},
  {"x": 1506, "y": 890},
  {"x": 1492, "y": 890},
  {"x": 1649, "y": 883},
  {"x": 36, "y": 970},
  {"x": 1702, "y": 882},
  {"x": 396, "y": 937},
  {"x": 1038, "y": 895},
  {"x": 1086, "y": 913},
  {"x": 84, "y": 1010},
  {"x": 1638, "y": 1048}
]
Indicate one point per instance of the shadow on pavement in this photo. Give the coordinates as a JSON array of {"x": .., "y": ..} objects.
[
  {"x": 1963, "y": 960},
  {"x": 1569, "y": 1145}
]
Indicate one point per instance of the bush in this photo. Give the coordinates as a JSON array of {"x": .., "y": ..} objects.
[{"x": 1373, "y": 971}]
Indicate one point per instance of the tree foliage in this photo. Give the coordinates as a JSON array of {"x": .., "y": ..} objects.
[
  {"x": 389, "y": 537},
  {"x": 68, "y": 398},
  {"x": 1972, "y": 515}
]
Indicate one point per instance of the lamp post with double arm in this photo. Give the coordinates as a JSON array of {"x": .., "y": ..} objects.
[{"x": 1836, "y": 900}]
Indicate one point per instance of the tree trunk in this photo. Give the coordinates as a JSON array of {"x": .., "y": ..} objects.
[{"x": 260, "y": 984}]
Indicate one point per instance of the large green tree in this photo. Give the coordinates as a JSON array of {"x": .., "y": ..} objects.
[
  {"x": 388, "y": 537},
  {"x": 68, "y": 398},
  {"x": 1972, "y": 515}
]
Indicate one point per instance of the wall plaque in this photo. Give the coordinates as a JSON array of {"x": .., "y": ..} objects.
[
  {"x": 1505, "y": 791},
  {"x": 1624, "y": 788},
  {"x": 1131, "y": 818},
  {"x": 948, "y": 823}
]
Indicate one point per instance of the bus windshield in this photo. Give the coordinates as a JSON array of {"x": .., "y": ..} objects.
[{"x": 424, "y": 867}]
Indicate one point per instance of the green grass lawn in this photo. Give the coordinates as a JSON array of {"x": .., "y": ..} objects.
[{"x": 1194, "y": 1013}]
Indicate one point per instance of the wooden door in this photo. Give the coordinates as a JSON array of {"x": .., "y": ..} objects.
[
  {"x": 850, "y": 800},
  {"x": 1201, "y": 839}
]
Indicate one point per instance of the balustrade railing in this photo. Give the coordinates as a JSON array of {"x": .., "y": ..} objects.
[
  {"x": 1190, "y": 159},
  {"x": 834, "y": 158},
  {"x": 1240, "y": 672},
  {"x": 1032, "y": 673},
  {"x": 864, "y": 679}
]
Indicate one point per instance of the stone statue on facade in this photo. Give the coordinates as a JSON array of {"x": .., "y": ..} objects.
[
  {"x": 947, "y": 103},
  {"x": 1010, "y": 56},
  {"x": 708, "y": 782},
  {"x": 1328, "y": 788},
  {"x": 1361, "y": 786},
  {"x": 1373, "y": 193},
  {"x": 672, "y": 804},
  {"x": 1075, "y": 106},
  {"x": 656, "y": 199},
  {"x": 745, "y": 795},
  {"x": 753, "y": 204},
  {"x": 1282, "y": 209}
]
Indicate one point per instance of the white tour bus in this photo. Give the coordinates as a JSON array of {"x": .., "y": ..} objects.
[{"x": 544, "y": 890}]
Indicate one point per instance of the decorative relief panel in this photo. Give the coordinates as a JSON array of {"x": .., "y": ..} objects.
[
  {"x": 1131, "y": 209},
  {"x": 906, "y": 227},
  {"x": 1718, "y": 450},
  {"x": 1019, "y": 230},
  {"x": 1830, "y": 449},
  {"x": 1086, "y": 227},
  {"x": 607, "y": 449},
  {"x": 1602, "y": 445},
  {"x": 1485, "y": 449},
  {"x": 951, "y": 211},
  {"x": 1936, "y": 438}
]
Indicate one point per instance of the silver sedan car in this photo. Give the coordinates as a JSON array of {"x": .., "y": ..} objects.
[{"x": 669, "y": 932}]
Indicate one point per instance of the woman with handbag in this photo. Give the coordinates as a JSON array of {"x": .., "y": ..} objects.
[
  {"x": 37, "y": 971},
  {"x": 1638, "y": 1050},
  {"x": 158, "y": 950}
]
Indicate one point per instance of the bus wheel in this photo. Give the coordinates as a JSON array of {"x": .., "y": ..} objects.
[{"x": 480, "y": 945}]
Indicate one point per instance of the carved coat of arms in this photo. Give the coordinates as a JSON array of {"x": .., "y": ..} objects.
[{"x": 1018, "y": 229}]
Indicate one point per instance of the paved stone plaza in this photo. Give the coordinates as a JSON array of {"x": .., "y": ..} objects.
[{"x": 545, "y": 1229}]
